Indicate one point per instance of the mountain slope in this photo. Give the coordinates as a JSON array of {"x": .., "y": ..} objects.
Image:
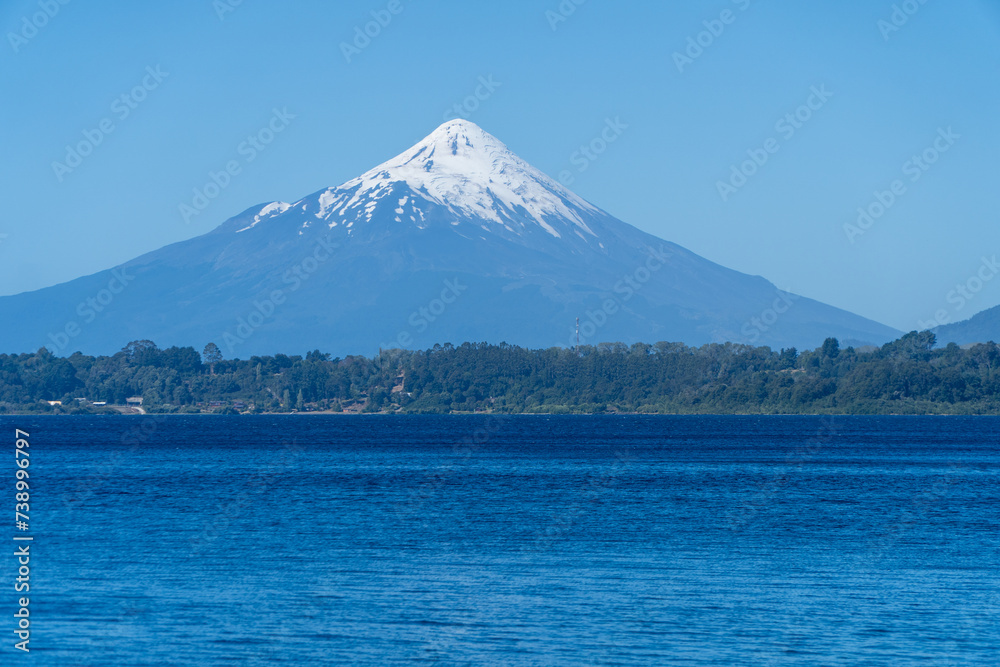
[
  {"x": 455, "y": 239},
  {"x": 980, "y": 328}
]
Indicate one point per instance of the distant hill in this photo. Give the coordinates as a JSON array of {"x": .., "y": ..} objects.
[{"x": 980, "y": 328}]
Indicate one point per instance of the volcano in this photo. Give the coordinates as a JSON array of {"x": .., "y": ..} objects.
[{"x": 456, "y": 239}]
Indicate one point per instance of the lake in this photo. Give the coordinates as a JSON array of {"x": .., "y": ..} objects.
[{"x": 518, "y": 540}]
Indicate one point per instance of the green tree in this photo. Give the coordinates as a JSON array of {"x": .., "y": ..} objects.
[
  {"x": 142, "y": 353},
  {"x": 212, "y": 355}
]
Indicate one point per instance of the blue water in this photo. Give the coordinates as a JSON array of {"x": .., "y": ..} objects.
[{"x": 374, "y": 540}]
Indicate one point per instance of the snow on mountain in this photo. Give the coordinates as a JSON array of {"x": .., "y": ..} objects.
[
  {"x": 271, "y": 210},
  {"x": 467, "y": 172},
  {"x": 360, "y": 266}
]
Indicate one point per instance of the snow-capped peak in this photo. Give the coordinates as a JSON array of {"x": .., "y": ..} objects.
[{"x": 470, "y": 172}]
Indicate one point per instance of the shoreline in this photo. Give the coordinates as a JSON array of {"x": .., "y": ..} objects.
[{"x": 497, "y": 414}]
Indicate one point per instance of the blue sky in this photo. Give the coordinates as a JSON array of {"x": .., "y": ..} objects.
[{"x": 197, "y": 85}]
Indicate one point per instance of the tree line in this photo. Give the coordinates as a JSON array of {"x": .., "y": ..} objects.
[{"x": 907, "y": 376}]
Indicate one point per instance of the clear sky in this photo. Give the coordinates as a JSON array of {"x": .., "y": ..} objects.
[{"x": 887, "y": 92}]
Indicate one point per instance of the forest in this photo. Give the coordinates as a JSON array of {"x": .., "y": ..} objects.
[{"x": 907, "y": 376}]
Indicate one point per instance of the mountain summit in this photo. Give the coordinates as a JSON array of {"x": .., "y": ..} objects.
[
  {"x": 470, "y": 175},
  {"x": 459, "y": 175},
  {"x": 455, "y": 239}
]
